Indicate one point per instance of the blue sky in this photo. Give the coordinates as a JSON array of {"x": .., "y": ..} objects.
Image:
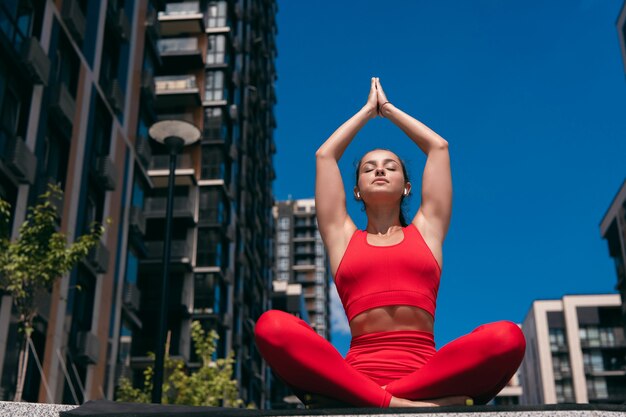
[{"x": 531, "y": 97}]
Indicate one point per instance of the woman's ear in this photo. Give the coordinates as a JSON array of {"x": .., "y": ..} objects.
[
  {"x": 357, "y": 193},
  {"x": 407, "y": 189}
]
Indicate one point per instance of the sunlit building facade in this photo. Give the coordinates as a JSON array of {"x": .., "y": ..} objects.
[{"x": 576, "y": 351}]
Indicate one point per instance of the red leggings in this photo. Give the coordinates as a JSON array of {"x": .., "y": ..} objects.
[{"x": 478, "y": 365}]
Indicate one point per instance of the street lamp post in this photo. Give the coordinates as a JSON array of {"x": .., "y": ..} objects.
[{"x": 174, "y": 134}]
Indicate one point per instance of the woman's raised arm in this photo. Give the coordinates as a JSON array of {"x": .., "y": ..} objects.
[
  {"x": 436, "y": 205},
  {"x": 330, "y": 199}
]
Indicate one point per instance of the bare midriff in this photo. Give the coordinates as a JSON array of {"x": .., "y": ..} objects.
[{"x": 391, "y": 318}]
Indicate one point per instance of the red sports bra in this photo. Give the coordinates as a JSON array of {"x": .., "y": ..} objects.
[{"x": 370, "y": 276}]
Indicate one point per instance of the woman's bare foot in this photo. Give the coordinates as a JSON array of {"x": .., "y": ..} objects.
[{"x": 437, "y": 402}]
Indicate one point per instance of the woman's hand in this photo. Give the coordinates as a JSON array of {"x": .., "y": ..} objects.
[
  {"x": 372, "y": 100},
  {"x": 381, "y": 97}
]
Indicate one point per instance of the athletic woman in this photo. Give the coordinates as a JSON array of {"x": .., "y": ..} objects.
[{"x": 387, "y": 277}]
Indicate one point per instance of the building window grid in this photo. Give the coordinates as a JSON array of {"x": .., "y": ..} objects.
[
  {"x": 594, "y": 336},
  {"x": 557, "y": 339},
  {"x": 284, "y": 223},
  {"x": 214, "y": 88},
  {"x": 597, "y": 388},
  {"x": 283, "y": 250},
  {"x": 564, "y": 391},
  {"x": 216, "y": 50},
  {"x": 216, "y": 14}
]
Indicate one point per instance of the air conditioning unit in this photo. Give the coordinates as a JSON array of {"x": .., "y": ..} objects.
[
  {"x": 137, "y": 220},
  {"x": 115, "y": 96},
  {"x": 21, "y": 160},
  {"x": 36, "y": 61},
  {"x": 122, "y": 24},
  {"x": 105, "y": 171},
  {"x": 98, "y": 258},
  {"x": 233, "y": 112},
  {"x": 131, "y": 296},
  {"x": 227, "y": 320},
  {"x": 74, "y": 18},
  {"x": 87, "y": 347},
  {"x": 63, "y": 105}
]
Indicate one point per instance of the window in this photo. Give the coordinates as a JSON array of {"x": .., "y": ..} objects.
[
  {"x": 209, "y": 251},
  {"x": 283, "y": 250},
  {"x": 212, "y": 207},
  {"x": 284, "y": 223},
  {"x": 283, "y": 276},
  {"x": 283, "y": 264},
  {"x": 283, "y": 237},
  {"x": 212, "y": 163},
  {"x": 203, "y": 294},
  {"x": 214, "y": 86},
  {"x": 216, "y": 14},
  {"x": 319, "y": 291},
  {"x": 557, "y": 339},
  {"x": 319, "y": 277},
  {"x": 214, "y": 127},
  {"x": 216, "y": 49}
]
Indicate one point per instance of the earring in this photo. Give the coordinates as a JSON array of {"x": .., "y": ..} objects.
[
  {"x": 406, "y": 192},
  {"x": 358, "y": 195}
]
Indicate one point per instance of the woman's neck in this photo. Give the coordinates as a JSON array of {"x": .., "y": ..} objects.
[{"x": 383, "y": 220}]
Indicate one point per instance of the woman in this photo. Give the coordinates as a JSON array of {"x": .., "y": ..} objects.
[{"x": 387, "y": 277}]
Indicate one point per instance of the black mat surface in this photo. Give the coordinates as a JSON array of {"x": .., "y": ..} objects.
[{"x": 115, "y": 409}]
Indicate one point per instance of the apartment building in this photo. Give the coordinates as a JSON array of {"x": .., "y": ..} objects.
[
  {"x": 576, "y": 351},
  {"x": 301, "y": 258},
  {"x": 613, "y": 229},
  {"x": 81, "y": 83}
]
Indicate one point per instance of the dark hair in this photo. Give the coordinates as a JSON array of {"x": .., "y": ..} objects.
[{"x": 403, "y": 200}]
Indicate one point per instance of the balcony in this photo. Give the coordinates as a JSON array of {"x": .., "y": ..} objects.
[
  {"x": 159, "y": 170},
  {"x": 180, "y": 53},
  {"x": 177, "y": 91},
  {"x": 181, "y": 18},
  {"x": 180, "y": 255},
  {"x": 74, "y": 18},
  {"x": 20, "y": 160},
  {"x": 184, "y": 207}
]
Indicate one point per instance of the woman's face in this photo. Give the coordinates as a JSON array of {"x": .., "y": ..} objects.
[{"x": 380, "y": 177}]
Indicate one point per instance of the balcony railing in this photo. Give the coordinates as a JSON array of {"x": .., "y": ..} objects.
[
  {"x": 184, "y": 206},
  {"x": 183, "y": 8},
  {"x": 180, "y": 53},
  {"x": 179, "y": 250},
  {"x": 175, "y": 83},
  {"x": 163, "y": 162},
  {"x": 178, "y": 45},
  {"x": 179, "y": 18},
  {"x": 177, "y": 91}
]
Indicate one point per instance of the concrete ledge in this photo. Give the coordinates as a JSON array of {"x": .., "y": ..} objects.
[
  {"x": 11, "y": 409},
  {"x": 111, "y": 409}
]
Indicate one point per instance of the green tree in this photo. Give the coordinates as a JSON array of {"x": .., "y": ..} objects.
[
  {"x": 210, "y": 385},
  {"x": 34, "y": 261}
]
